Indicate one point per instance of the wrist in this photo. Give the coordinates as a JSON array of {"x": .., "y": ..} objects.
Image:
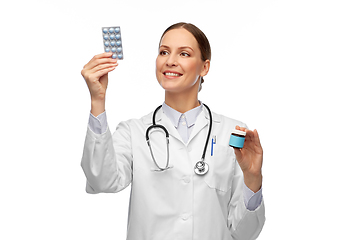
[
  {"x": 253, "y": 181},
  {"x": 97, "y": 107}
]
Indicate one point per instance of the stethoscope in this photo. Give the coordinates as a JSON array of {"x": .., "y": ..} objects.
[{"x": 201, "y": 167}]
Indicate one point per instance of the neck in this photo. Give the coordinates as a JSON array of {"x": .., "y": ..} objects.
[{"x": 180, "y": 102}]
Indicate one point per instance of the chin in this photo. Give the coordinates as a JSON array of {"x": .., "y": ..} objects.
[
  {"x": 169, "y": 85},
  {"x": 169, "y": 88},
  {"x": 175, "y": 85}
]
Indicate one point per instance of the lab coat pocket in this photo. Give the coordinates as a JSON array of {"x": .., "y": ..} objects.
[{"x": 221, "y": 168}]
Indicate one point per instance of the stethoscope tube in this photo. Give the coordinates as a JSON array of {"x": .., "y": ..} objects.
[
  {"x": 209, "y": 133},
  {"x": 201, "y": 167},
  {"x": 167, "y": 141}
]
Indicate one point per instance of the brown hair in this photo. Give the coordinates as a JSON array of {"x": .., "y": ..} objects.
[{"x": 200, "y": 37}]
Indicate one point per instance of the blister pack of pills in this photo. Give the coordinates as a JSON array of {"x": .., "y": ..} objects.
[{"x": 112, "y": 41}]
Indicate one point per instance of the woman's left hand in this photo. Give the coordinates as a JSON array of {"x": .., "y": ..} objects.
[{"x": 250, "y": 159}]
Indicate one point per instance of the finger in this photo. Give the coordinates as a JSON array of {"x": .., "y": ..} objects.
[
  {"x": 103, "y": 55},
  {"x": 249, "y": 135},
  {"x": 240, "y": 128},
  {"x": 252, "y": 142},
  {"x": 253, "y": 136},
  {"x": 98, "y": 62},
  {"x": 101, "y": 72},
  {"x": 99, "y": 59},
  {"x": 237, "y": 153},
  {"x": 257, "y": 138},
  {"x": 104, "y": 66},
  {"x": 89, "y": 73},
  {"x": 249, "y": 140}
]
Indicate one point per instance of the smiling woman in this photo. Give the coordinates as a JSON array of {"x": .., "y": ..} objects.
[{"x": 219, "y": 198}]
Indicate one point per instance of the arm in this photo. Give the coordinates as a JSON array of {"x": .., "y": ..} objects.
[
  {"x": 247, "y": 224},
  {"x": 95, "y": 73},
  {"x": 244, "y": 224},
  {"x": 107, "y": 170}
]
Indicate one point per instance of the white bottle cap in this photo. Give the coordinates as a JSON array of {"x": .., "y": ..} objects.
[{"x": 238, "y": 132}]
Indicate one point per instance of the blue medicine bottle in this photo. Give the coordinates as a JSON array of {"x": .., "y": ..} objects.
[{"x": 237, "y": 139}]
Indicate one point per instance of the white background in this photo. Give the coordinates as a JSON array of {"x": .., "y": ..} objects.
[{"x": 287, "y": 68}]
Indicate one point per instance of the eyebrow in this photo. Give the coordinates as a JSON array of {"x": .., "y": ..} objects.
[{"x": 183, "y": 47}]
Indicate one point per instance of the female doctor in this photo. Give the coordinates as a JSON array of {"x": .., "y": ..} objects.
[{"x": 170, "y": 198}]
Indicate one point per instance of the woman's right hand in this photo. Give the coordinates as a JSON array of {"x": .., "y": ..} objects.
[{"x": 95, "y": 73}]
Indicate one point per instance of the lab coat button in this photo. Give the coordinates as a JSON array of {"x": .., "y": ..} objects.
[
  {"x": 185, "y": 216},
  {"x": 186, "y": 179}
]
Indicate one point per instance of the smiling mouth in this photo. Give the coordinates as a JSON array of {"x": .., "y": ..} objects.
[{"x": 172, "y": 74}]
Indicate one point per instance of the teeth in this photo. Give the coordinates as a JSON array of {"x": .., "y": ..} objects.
[{"x": 172, "y": 74}]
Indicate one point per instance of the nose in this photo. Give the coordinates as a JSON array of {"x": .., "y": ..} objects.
[{"x": 171, "y": 61}]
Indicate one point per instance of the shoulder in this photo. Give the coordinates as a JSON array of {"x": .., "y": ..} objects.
[
  {"x": 137, "y": 122},
  {"x": 227, "y": 121},
  {"x": 222, "y": 128}
]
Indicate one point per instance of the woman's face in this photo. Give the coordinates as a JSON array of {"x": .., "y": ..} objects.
[{"x": 179, "y": 64}]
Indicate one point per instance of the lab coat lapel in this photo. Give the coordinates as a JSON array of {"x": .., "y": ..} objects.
[
  {"x": 201, "y": 122},
  {"x": 162, "y": 119}
]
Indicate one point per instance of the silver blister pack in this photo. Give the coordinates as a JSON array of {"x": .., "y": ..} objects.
[{"x": 112, "y": 41}]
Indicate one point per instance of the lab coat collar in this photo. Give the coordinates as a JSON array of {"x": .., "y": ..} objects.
[
  {"x": 201, "y": 122},
  {"x": 174, "y": 116}
]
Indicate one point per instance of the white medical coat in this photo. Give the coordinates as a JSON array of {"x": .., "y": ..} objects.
[{"x": 175, "y": 204}]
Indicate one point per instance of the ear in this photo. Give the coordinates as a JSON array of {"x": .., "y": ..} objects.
[{"x": 205, "y": 68}]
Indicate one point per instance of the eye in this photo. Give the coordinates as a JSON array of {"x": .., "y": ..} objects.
[
  {"x": 163, "y": 53},
  {"x": 185, "y": 54}
]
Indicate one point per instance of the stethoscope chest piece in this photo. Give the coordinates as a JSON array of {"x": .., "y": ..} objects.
[{"x": 201, "y": 168}]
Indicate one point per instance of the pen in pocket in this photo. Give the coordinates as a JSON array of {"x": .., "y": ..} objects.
[{"x": 213, "y": 141}]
